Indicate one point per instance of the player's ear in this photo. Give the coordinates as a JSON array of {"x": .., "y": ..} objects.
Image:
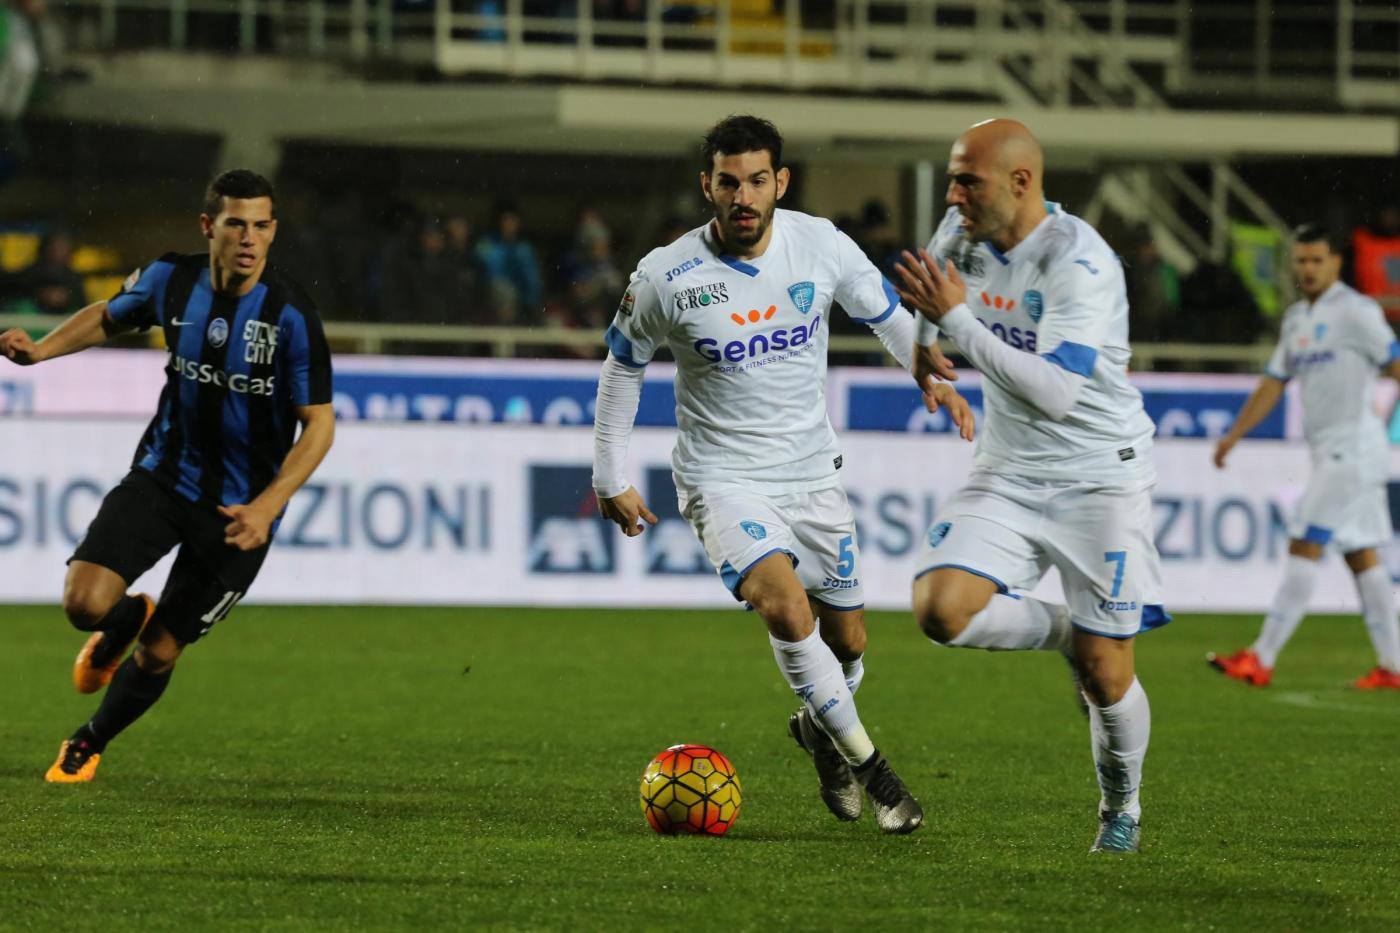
[
  {"x": 206, "y": 224},
  {"x": 783, "y": 177},
  {"x": 1020, "y": 181},
  {"x": 705, "y": 186}
]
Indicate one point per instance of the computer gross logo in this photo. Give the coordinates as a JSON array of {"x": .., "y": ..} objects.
[{"x": 760, "y": 343}]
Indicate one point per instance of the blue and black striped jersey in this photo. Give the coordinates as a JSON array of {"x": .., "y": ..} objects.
[{"x": 239, "y": 368}]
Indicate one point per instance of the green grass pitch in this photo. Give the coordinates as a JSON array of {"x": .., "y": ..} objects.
[{"x": 395, "y": 768}]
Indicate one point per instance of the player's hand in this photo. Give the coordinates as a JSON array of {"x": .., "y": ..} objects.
[
  {"x": 930, "y": 362},
  {"x": 931, "y": 291},
  {"x": 1222, "y": 450},
  {"x": 941, "y": 395},
  {"x": 249, "y": 527},
  {"x": 628, "y": 511},
  {"x": 20, "y": 348}
]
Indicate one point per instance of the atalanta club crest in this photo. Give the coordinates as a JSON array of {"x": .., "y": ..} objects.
[
  {"x": 803, "y": 295},
  {"x": 754, "y": 530},
  {"x": 218, "y": 332}
]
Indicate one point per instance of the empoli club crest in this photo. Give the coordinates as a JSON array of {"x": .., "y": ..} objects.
[{"x": 803, "y": 294}]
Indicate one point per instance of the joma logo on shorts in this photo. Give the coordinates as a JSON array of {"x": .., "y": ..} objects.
[{"x": 1118, "y": 605}]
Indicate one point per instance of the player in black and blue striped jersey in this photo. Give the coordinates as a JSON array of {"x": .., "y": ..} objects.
[{"x": 223, "y": 455}]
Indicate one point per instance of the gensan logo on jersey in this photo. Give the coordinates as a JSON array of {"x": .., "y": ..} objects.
[
  {"x": 758, "y": 348},
  {"x": 1020, "y": 338}
]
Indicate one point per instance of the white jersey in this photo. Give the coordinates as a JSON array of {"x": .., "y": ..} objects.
[
  {"x": 1058, "y": 293},
  {"x": 749, "y": 338},
  {"x": 1334, "y": 346}
]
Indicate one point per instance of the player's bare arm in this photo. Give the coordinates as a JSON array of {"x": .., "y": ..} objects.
[
  {"x": 1256, "y": 408},
  {"x": 87, "y": 328},
  {"x": 628, "y": 510},
  {"x": 250, "y": 525}
]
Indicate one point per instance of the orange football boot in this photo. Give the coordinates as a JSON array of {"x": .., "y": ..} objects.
[
  {"x": 89, "y": 677},
  {"x": 1242, "y": 665},
  {"x": 1378, "y": 679},
  {"x": 76, "y": 764}
]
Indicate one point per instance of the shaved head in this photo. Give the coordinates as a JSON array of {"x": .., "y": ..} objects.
[
  {"x": 996, "y": 181},
  {"x": 1007, "y": 144}
]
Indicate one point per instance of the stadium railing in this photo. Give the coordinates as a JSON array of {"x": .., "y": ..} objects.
[
  {"x": 507, "y": 342},
  {"x": 1034, "y": 51}
]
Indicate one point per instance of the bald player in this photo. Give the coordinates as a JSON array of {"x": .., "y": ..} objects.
[{"x": 1035, "y": 300}]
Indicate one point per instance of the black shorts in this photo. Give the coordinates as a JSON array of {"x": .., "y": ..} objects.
[{"x": 140, "y": 522}]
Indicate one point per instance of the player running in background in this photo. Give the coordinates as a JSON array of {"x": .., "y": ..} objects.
[
  {"x": 248, "y": 363},
  {"x": 1333, "y": 341},
  {"x": 742, "y": 304},
  {"x": 1063, "y": 467}
]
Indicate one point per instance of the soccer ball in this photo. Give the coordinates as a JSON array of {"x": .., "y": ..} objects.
[{"x": 691, "y": 789}]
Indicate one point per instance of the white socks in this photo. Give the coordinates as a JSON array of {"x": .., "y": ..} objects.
[
  {"x": 817, "y": 677},
  {"x": 1378, "y": 608},
  {"x": 1119, "y": 735},
  {"x": 855, "y": 673},
  {"x": 1016, "y": 624},
  {"x": 1289, "y": 606}
]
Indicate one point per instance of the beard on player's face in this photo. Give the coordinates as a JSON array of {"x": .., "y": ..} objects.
[{"x": 744, "y": 234}]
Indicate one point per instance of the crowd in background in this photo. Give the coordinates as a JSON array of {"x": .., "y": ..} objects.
[{"x": 406, "y": 266}]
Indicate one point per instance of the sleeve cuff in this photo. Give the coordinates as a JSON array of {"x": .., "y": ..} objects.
[
  {"x": 957, "y": 321},
  {"x": 611, "y": 490}
]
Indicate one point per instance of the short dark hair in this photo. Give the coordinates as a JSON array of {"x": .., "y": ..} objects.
[
  {"x": 1316, "y": 233},
  {"x": 741, "y": 133},
  {"x": 238, "y": 183}
]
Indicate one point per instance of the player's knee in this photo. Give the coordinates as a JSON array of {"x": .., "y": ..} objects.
[
  {"x": 157, "y": 651},
  {"x": 85, "y": 608},
  {"x": 848, "y": 641},
  {"x": 788, "y": 618},
  {"x": 941, "y": 616},
  {"x": 1104, "y": 682}
]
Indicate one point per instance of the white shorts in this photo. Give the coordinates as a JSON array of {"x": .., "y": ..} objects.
[
  {"x": 740, "y": 527},
  {"x": 1011, "y": 530},
  {"x": 1346, "y": 503}
]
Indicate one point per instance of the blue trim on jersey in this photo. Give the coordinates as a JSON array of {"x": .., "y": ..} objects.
[
  {"x": 732, "y": 578},
  {"x": 1116, "y": 636},
  {"x": 1394, "y": 353},
  {"x": 1075, "y": 358},
  {"x": 1001, "y": 257},
  {"x": 818, "y": 599},
  {"x": 621, "y": 347},
  {"x": 1002, "y": 588},
  {"x": 738, "y": 265},
  {"x": 1273, "y": 375},
  {"x": 1316, "y": 534},
  {"x": 1154, "y": 615},
  {"x": 892, "y": 295}
]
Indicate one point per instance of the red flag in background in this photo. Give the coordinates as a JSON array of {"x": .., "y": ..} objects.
[{"x": 1378, "y": 268}]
